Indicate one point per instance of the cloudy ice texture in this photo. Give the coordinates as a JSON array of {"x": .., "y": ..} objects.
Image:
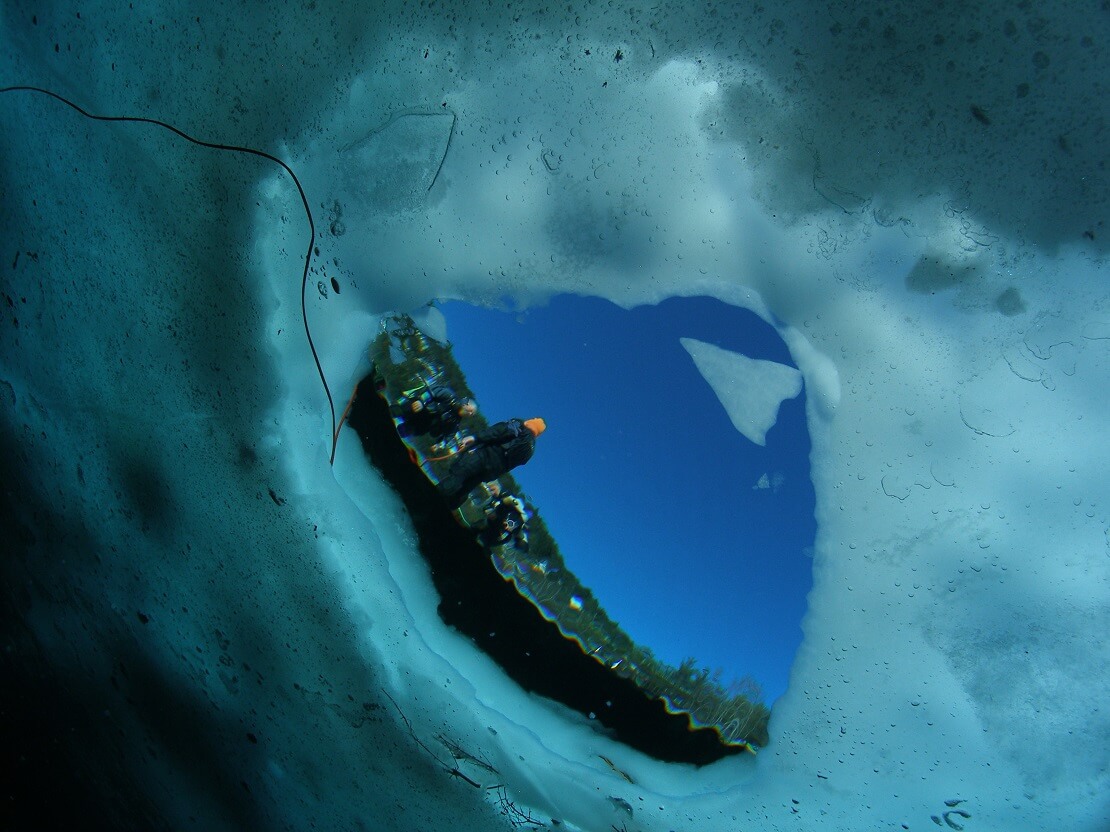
[{"x": 227, "y": 632}]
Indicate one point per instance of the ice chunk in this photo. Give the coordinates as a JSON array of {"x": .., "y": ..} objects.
[{"x": 750, "y": 389}]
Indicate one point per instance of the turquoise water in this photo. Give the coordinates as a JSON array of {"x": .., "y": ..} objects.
[{"x": 209, "y": 625}]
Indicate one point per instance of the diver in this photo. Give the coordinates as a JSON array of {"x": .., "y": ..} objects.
[
  {"x": 488, "y": 454},
  {"x": 437, "y": 413},
  {"x": 505, "y": 521}
]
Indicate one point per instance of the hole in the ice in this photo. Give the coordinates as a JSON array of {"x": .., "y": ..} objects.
[{"x": 687, "y": 533}]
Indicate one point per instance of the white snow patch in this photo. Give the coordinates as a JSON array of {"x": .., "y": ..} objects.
[{"x": 750, "y": 389}]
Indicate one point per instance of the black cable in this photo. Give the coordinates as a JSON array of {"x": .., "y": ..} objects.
[
  {"x": 406, "y": 113},
  {"x": 236, "y": 149}
]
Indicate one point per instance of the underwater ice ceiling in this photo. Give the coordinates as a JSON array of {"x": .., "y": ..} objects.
[{"x": 208, "y": 626}]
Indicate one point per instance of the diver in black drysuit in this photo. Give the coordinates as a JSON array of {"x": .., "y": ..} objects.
[
  {"x": 438, "y": 414},
  {"x": 505, "y": 523},
  {"x": 489, "y": 454}
]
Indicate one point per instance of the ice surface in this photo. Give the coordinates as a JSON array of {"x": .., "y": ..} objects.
[
  {"x": 750, "y": 389},
  {"x": 218, "y": 630}
]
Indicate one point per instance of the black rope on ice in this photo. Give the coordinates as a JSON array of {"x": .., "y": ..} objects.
[
  {"x": 417, "y": 112},
  {"x": 234, "y": 149}
]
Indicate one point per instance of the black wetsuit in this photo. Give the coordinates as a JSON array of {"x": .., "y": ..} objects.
[
  {"x": 504, "y": 524},
  {"x": 439, "y": 417},
  {"x": 496, "y": 451}
]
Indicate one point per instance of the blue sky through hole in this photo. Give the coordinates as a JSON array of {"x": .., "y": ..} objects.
[{"x": 694, "y": 538}]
